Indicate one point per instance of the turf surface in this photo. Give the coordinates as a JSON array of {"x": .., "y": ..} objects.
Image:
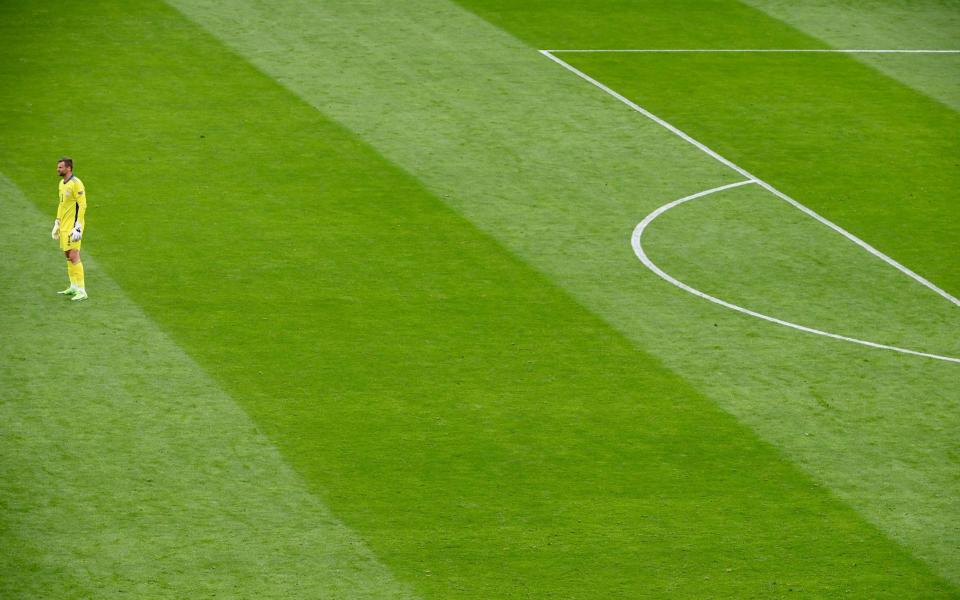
[
  {"x": 483, "y": 432},
  {"x": 904, "y": 24},
  {"x": 862, "y": 150},
  {"x": 132, "y": 474},
  {"x": 572, "y": 171}
]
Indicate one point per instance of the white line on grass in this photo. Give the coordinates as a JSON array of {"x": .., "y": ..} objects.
[
  {"x": 748, "y": 175},
  {"x": 642, "y": 255},
  {"x": 766, "y": 50}
]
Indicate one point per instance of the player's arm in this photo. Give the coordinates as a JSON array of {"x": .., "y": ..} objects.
[
  {"x": 81, "y": 210},
  {"x": 55, "y": 234}
]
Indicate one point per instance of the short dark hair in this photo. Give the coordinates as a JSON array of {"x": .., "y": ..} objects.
[{"x": 67, "y": 161}]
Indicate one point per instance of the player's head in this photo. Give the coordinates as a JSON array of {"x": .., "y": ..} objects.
[{"x": 64, "y": 166}]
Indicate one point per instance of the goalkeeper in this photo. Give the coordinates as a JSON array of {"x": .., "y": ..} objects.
[{"x": 68, "y": 228}]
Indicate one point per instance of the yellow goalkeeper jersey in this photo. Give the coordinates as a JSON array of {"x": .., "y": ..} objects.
[{"x": 73, "y": 204}]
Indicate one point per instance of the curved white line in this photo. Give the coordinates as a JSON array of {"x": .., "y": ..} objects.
[
  {"x": 642, "y": 255},
  {"x": 921, "y": 280}
]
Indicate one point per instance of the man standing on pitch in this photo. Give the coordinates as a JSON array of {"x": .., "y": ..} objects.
[{"x": 68, "y": 228}]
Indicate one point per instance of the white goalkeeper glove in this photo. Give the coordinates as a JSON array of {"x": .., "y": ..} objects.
[
  {"x": 55, "y": 233},
  {"x": 76, "y": 233}
]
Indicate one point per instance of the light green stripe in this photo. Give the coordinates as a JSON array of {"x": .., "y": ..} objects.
[
  {"x": 561, "y": 173},
  {"x": 126, "y": 471},
  {"x": 886, "y": 24}
]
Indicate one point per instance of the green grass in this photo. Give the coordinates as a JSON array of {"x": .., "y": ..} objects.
[
  {"x": 920, "y": 24},
  {"x": 408, "y": 280},
  {"x": 127, "y": 472},
  {"x": 788, "y": 265},
  {"x": 560, "y": 173},
  {"x": 874, "y": 156}
]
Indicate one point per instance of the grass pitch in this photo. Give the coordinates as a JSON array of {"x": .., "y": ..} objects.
[{"x": 390, "y": 337}]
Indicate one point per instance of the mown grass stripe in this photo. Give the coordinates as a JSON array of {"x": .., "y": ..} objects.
[
  {"x": 876, "y": 23},
  {"x": 560, "y": 178},
  {"x": 127, "y": 472}
]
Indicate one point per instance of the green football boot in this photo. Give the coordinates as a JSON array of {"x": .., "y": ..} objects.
[
  {"x": 79, "y": 295},
  {"x": 68, "y": 292}
]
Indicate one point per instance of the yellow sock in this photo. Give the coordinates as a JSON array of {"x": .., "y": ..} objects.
[
  {"x": 78, "y": 274},
  {"x": 71, "y": 274}
]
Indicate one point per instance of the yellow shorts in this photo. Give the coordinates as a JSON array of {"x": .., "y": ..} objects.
[{"x": 66, "y": 244}]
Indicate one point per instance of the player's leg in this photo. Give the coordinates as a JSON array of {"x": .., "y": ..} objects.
[
  {"x": 73, "y": 285},
  {"x": 73, "y": 255}
]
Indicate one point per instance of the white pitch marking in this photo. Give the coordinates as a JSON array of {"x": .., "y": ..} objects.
[
  {"x": 766, "y": 50},
  {"x": 642, "y": 255},
  {"x": 753, "y": 178}
]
